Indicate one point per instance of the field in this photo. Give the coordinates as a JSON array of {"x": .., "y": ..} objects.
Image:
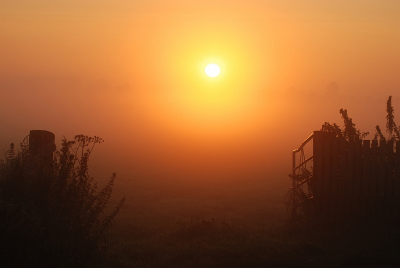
[{"x": 236, "y": 224}]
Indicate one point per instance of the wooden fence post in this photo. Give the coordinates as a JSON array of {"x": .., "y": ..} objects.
[
  {"x": 342, "y": 174},
  {"x": 322, "y": 143},
  {"x": 382, "y": 169},
  {"x": 358, "y": 179},
  {"x": 389, "y": 190},
  {"x": 396, "y": 178},
  {"x": 366, "y": 179},
  {"x": 397, "y": 171},
  {"x": 42, "y": 146}
]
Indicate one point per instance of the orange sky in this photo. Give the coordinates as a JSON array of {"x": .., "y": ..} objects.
[{"x": 132, "y": 72}]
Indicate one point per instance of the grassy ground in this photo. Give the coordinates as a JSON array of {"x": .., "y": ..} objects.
[{"x": 238, "y": 224}]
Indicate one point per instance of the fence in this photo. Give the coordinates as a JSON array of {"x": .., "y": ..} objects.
[{"x": 349, "y": 177}]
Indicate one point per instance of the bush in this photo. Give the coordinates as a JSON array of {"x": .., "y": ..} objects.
[
  {"x": 349, "y": 130},
  {"x": 53, "y": 216}
]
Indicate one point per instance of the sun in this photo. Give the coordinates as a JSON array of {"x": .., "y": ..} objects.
[{"x": 212, "y": 70}]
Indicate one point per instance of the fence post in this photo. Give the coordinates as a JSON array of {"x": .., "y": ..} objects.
[
  {"x": 396, "y": 183},
  {"x": 366, "y": 168},
  {"x": 397, "y": 171},
  {"x": 382, "y": 169},
  {"x": 322, "y": 168},
  {"x": 358, "y": 179},
  {"x": 42, "y": 146},
  {"x": 390, "y": 169},
  {"x": 366, "y": 173}
]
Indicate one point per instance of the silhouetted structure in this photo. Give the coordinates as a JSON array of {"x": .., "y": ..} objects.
[
  {"x": 348, "y": 177},
  {"x": 42, "y": 146}
]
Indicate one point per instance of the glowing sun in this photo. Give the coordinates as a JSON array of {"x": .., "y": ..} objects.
[{"x": 212, "y": 70}]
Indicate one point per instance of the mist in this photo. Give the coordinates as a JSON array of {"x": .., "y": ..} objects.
[{"x": 191, "y": 151}]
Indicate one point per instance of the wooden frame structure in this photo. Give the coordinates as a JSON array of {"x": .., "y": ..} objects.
[{"x": 350, "y": 177}]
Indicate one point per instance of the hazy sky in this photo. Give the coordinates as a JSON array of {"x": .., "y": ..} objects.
[{"x": 132, "y": 72}]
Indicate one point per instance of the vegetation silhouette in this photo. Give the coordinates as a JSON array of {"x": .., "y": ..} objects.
[
  {"x": 391, "y": 127},
  {"x": 349, "y": 129},
  {"x": 53, "y": 216}
]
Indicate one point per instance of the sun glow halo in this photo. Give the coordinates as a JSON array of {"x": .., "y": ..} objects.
[{"x": 212, "y": 70}]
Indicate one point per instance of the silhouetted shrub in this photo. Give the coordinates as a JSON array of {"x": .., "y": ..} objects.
[
  {"x": 349, "y": 130},
  {"x": 391, "y": 128},
  {"x": 53, "y": 216}
]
